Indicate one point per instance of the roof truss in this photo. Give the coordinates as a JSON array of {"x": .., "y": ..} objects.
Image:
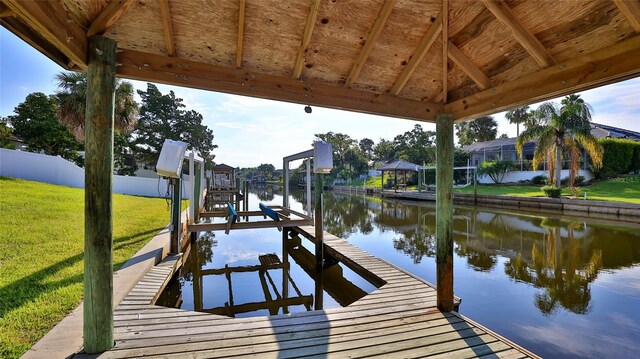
[
  {"x": 108, "y": 16},
  {"x": 167, "y": 29},
  {"x": 306, "y": 38},
  {"x": 631, "y": 11}
]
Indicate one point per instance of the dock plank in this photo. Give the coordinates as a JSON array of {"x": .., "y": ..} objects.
[{"x": 398, "y": 319}]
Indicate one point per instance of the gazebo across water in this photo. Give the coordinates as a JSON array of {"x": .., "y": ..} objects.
[{"x": 398, "y": 166}]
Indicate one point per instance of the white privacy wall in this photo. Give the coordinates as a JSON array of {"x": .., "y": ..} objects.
[
  {"x": 56, "y": 170},
  {"x": 516, "y": 176}
]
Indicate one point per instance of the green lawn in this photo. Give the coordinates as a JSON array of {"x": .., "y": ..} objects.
[
  {"x": 623, "y": 189},
  {"x": 41, "y": 253}
]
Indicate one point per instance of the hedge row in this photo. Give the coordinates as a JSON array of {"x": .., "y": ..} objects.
[{"x": 620, "y": 157}]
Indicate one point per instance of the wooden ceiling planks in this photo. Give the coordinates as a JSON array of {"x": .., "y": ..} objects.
[
  {"x": 499, "y": 41},
  {"x": 273, "y": 32},
  {"x": 337, "y": 39},
  {"x": 140, "y": 29},
  {"x": 216, "y": 24},
  {"x": 306, "y": 38},
  {"x": 395, "y": 49},
  {"x": 631, "y": 11}
]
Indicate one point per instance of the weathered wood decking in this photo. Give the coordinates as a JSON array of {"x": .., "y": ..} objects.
[{"x": 400, "y": 319}]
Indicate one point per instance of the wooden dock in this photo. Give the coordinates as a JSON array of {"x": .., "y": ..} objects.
[{"x": 398, "y": 319}]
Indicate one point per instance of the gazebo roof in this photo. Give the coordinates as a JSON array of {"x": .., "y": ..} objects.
[
  {"x": 399, "y": 165},
  {"x": 381, "y": 57},
  {"x": 223, "y": 168}
]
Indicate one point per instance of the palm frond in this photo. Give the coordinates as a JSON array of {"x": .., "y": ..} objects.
[{"x": 593, "y": 148}]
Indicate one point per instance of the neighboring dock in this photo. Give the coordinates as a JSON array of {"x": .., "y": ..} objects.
[{"x": 399, "y": 318}]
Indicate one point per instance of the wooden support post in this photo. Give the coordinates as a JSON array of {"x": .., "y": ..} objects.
[
  {"x": 318, "y": 221},
  {"x": 196, "y": 190},
  {"x": 98, "y": 208},
  {"x": 176, "y": 209},
  {"x": 308, "y": 183},
  {"x": 285, "y": 184},
  {"x": 444, "y": 211}
]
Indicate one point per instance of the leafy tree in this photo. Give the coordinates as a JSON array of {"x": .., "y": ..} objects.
[
  {"x": 566, "y": 128},
  {"x": 496, "y": 170},
  {"x": 266, "y": 170},
  {"x": 416, "y": 145},
  {"x": 366, "y": 145},
  {"x": 481, "y": 129},
  {"x": 72, "y": 97},
  {"x": 504, "y": 135},
  {"x": 36, "y": 122},
  {"x": 5, "y": 134},
  {"x": 384, "y": 150},
  {"x": 122, "y": 149},
  {"x": 164, "y": 117},
  {"x": 518, "y": 115}
]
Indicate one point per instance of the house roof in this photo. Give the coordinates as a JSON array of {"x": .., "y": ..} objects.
[
  {"x": 604, "y": 131},
  {"x": 399, "y": 165},
  {"x": 597, "y": 130},
  {"x": 408, "y": 59}
]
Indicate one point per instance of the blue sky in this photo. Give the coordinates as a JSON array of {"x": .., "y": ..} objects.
[{"x": 252, "y": 131}]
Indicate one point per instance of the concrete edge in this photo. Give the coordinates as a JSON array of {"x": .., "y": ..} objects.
[{"x": 66, "y": 338}]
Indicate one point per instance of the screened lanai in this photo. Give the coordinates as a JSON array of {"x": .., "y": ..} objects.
[{"x": 437, "y": 61}]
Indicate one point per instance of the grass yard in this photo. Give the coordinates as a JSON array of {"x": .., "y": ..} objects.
[
  {"x": 622, "y": 189},
  {"x": 41, "y": 253}
]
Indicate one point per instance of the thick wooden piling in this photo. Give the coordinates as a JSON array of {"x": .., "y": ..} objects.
[
  {"x": 444, "y": 211},
  {"x": 318, "y": 220},
  {"x": 98, "y": 209}
]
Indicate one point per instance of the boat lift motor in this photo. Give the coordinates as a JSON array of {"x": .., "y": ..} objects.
[{"x": 170, "y": 165}]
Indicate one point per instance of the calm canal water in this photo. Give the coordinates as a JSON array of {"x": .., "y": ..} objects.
[{"x": 560, "y": 286}]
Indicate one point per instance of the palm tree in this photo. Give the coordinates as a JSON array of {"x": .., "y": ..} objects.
[
  {"x": 72, "y": 94},
  {"x": 518, "y": 115},
  {"x": 563, "y": 131}
]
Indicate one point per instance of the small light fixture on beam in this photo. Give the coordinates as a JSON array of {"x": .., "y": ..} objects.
[{"x": 308, "y": 109}]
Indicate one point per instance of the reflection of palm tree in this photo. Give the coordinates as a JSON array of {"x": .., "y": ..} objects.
[
  {"x": 416, "y": 244},
  {"x": 560, "y": 271}
]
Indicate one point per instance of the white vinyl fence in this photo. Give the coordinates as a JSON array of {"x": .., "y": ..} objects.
[
  {"x": 516, "y": 176},
  {"x": 56, "y": 170}
]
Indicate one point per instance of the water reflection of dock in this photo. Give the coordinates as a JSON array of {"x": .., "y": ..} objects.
[{"x": 399, "y": 318}]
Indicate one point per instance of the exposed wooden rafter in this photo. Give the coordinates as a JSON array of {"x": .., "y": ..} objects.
[
  {"x": 240, "y": 34},
  {"x": 5, "y": 12},
  {"x": 167, "y": 29},
  {"x": 306, "y": 38},
  {"x": 429, "y": 38},
  {"x": 445, "y": 51},
  {"x": 108, "y": 16},
  {"x": 170, "y": 70},
  {"x": 378, "y": 25},
  {"x": 607, "y": 65},
  {"x": 468, "y": 67},
  {"x": 631, "y": 11},
  {"x": 51, "y": 21},
  {"x": 505, "y": 15}
]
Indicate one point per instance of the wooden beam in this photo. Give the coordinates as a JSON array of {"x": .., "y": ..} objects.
[
  {"x": 444, "y": 211},
  {"x": 108, "y": 16},
  {"x": 608, "y": 65},
  {"x": 378, "y": 25},
  {"x": 51, "y": 21},
  {"x": 167, "y": 29},
  {"x": 98, "y": 198},
  {"x": 445, "y": 51},
  {"x": 631, "y": 11},
  {"x": 156, "y": 68},
  {"x": 5, "y": 12},
  {"x": 428, "y": 40},
  {"x": 505, "y": 15},
  {"x": 468, "y": 67},
  {"x": 239, "y": 46},
  {"x": 306, "y": 38}
]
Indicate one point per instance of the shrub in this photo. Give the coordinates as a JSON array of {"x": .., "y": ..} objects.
[
  {"x": 551, "y": 191},
  {"x": 620, "y": 156},
  {"x": 495, "y": 169},
  {"x": 540, "y": 179},
  {"x": 579, "y": 181}
]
